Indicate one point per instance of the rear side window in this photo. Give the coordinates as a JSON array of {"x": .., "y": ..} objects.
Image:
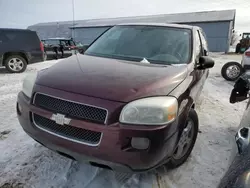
[
  {"x": 67, "y": 43},
  {"x": 22, "y": 39},
  {"x": 11, "y": 35},
  {"x": 52, "y": 42},
  {"x": 3, "y": 37},
  {"x": 30, "y": 38}
]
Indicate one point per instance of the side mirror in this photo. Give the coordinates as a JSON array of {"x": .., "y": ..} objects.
[
  {"x": 241, "y": 89},
  {"x": 205, "y": 63},
  {"x": 83, "y": 48}
]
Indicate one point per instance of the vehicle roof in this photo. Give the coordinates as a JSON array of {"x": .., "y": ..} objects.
[
  {"x": 163, "y": 25},
  {"x": 58, "y": 38}
]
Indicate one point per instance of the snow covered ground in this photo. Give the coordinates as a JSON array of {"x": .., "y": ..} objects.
[{"x": 25, "y": 163}]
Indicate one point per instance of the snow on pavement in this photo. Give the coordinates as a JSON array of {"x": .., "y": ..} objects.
[{"x": 25, "y": 163}]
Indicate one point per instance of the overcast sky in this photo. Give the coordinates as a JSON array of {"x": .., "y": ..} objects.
[{"x": 22, "y": 13}]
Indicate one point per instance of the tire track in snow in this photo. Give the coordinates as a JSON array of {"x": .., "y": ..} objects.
[{"x": 82, "y": 175}]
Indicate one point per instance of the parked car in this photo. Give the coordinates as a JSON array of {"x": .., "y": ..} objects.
[
  {"x": 55, "y": 46},
  {"x": 245, "y": 63},
  {"x": 237, "y": 175},
  {"x": 19, "y": 47},
  {"x": 233, "y": 70},
  {"x": 127, "y": 103}
]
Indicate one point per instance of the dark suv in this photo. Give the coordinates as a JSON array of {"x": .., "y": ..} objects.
[
  {"x": 19, "y": 47},
  {"x": 127, "y": 103},
  {"x": 54, "y": 46}
]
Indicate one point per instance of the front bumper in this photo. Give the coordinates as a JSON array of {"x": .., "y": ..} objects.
[
  {"x": 114, "y": 150},
  {"x": 245, "y": 63}
]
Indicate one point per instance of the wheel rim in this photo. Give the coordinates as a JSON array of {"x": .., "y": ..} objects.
[
  {"x": 15, "y": 64},
  {"x": 185, "y": 141},
  {"x": 233, "y": 71}
]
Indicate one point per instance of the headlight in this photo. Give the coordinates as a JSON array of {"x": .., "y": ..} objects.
[
  {"x": 150, "y": 111},
  {"x": 28, "y": 84}
]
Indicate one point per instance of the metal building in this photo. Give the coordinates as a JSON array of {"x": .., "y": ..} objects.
[{"x": 217, "y": 25}]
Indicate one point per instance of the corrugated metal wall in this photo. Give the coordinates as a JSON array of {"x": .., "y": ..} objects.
[
  {"x": 217, "y": 33},
  {"x": 88, "y": 34},
  {"x": 52, "y": 31}
]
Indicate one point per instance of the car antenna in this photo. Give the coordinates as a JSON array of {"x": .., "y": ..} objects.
[{"x": 73, "y": 21}]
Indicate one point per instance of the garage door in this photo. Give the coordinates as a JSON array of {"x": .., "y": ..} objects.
[{"x": 217, "y": 35}]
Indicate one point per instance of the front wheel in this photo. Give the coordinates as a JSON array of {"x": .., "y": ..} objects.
[
  {"x": 187, "y": 140},
  {"x": 15, "y": 64},
  {"x": 231, "y": 71}
]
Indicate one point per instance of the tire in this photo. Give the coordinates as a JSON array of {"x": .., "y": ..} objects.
[
  {"x": 226, "y": 68},
  {"x": 237, "y": 49},
  {"x": 174, "y": 162},
  {"x": 19, "y": 67}
]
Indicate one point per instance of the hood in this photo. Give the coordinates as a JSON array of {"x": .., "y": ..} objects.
[{"x": 111, "y": 79}]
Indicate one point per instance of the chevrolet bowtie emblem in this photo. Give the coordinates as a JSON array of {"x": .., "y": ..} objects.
[{"x": 60, "y": 119}]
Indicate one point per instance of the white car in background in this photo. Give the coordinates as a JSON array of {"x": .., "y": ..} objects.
[
  {"x": 232, "y": 70},
  {"x": 245, "y": 63}
]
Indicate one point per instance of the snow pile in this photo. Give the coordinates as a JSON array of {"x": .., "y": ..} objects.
[{"x": 25, "y": 163}]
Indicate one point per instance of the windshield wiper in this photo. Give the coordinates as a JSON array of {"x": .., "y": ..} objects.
[{"x": 157, "y": 62}]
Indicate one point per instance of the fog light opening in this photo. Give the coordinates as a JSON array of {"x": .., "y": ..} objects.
[
  {"x": 140, "y": 143},
  {"x": 100, "y": 165},
  {"x": 18, "y": 109}
]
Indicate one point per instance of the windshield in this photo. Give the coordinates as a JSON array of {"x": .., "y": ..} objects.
[
  {"x": 158, "y": 45},
  {"x": 246, "y": 35}
]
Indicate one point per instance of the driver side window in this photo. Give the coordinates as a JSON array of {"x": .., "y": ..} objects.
[{"x": 198, "y": 45}]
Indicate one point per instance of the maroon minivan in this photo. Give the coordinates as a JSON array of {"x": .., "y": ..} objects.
[{"x": 127, "y": 103}]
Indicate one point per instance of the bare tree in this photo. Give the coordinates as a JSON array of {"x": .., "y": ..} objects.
[{"x": 234, "y": 38}]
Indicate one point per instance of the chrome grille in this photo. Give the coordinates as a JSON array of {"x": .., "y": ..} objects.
[
  {"x": 70, "y": 108},
  {"x": 66, "y": 131}
]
